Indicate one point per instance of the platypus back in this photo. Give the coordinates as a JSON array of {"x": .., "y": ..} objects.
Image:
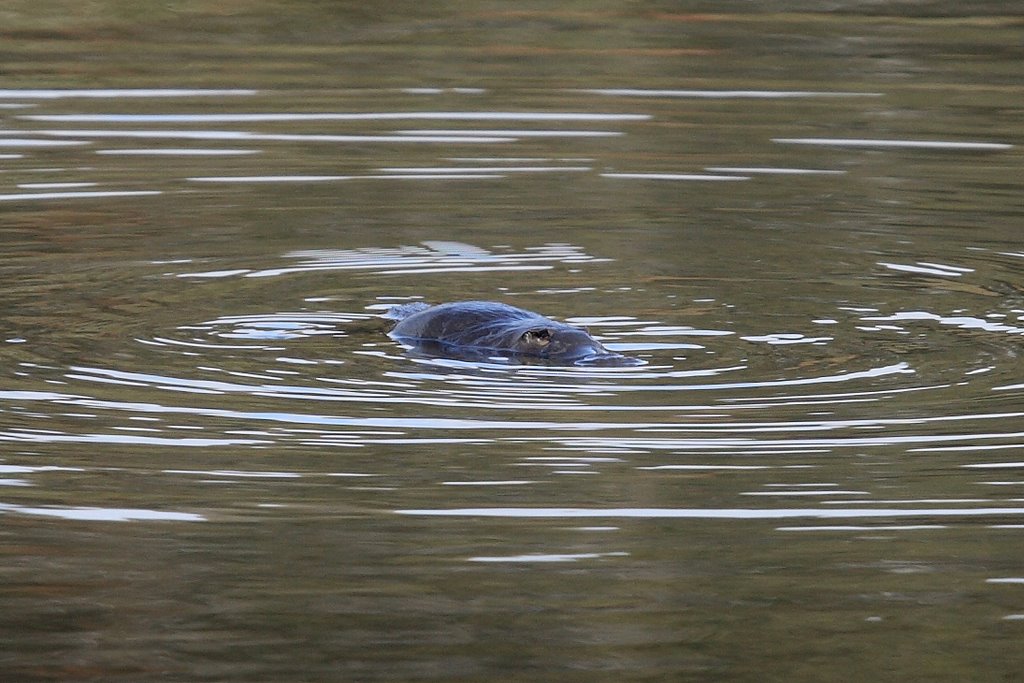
[{"x": 474, "y": 326}]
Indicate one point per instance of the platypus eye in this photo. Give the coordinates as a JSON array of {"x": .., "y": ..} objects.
[{"x": 540, "y": 336}]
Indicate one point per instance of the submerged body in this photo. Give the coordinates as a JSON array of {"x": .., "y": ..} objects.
[{"x": 468, "y": 328}]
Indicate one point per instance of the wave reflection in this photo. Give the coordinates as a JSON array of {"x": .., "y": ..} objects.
[
  {"x": 98, "y": 514},
  {"x": 275, "y": 117},
  {"x": 952, "y": 145},
  {"x": 710, "y": 513},
  {"x": 726, "y": 94},
  {"x": 433, "y": 257}
]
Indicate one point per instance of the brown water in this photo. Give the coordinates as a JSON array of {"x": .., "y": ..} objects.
[{"x": 214, "y": 466}]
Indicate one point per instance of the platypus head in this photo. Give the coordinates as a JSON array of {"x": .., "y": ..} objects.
[{"x": 565, "y": 343}]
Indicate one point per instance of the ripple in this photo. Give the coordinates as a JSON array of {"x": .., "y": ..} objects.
[
  {"x": 517, "y": 133},
  {"x": 507, "y": 393},
  {"x": 951, "y": 145},
  {"x": 829, "y": 492},
  {"x": 119, "y": 93},
  {"x": 25, "y": 435},
  {"x": 336, "y": 116},
  {"x": 786, "y": 339},
  {"x": 928, "y": 269},
  {"x": 959, "y": 321},
  {"x": 26, "y": 469},
  {"x": 442, "y": 91},
  {"x": 278, "y": 326},
  {"x": 726, "y": 94},
  {"x": 500, "y": 482},
  {"x": 178, "y": 152},
  {"x": 325, "y": 178},
  {"x": 520, "y": 160},
  {"x": 444, "y": 170},
  {"x": 753, "y": 170},
  {"x": 707, "y": 513},
  {"x": 247, "y": 136},
  {"x": 53, "y": 186},
  {"x": 546, "y": 557},
  {"x": 238, "y": 474},
  {"x": 97, "y": 514},
  {"x": 434, "y": 256},
  {"x": 850, "y": 527},
  {"x": 675, "y": 176},
  {"x": 35, "y": 143},
  {"x": 36, "y": 196}
]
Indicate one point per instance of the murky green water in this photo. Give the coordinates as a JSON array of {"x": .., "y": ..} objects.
[{"x": 214, "y": 466}]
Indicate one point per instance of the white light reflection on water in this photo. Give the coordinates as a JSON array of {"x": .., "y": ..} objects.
[
  {"x": 178, "y": 152},
  {"x": 441, "y": 91},
  {"x": 718, "y": 437},
  {"x": 928, "y": 269},
  {"x": 828, "y": 492},
  {"x": 911, "y": 501},
  {"x": 772, "y": 171},
  {"x": 556, "y": 396},
  {"x": 725, "y": 94},
  {"x": 546, "y": 557},
  {"x": 951, "y": 145},
  {"x": 443, "y": 170},
  {"x": 675, "y": 176},
  {"x": 724, "y": 444},
  {"x": 163, "y": 341},
  {"x": 786, "y": 338},
  {"x": 960, "y": 321},
  {"x": 521, "y": 160},
  {"x": 238, "y": 474},
  {"x": 711, "y": 468},
  {"x": 708, "y": 513},
  {"x": 505, "y": 482},
  {"x": 28, "y": 142},
  {"x": 324, "y": 178},
  {"x": 27, "y": 469},
  {"x": 277, "y": 326},
  {"x": 43, "y": 94},
  {"x": 97, "y": 514},
  {"x": 35, "y": 196},
  {"x": 433, "y": 256},
  {"x": 850, "y": 527},
  {"x": 19, "y": 435},
  {"x": 337, "y": 116},
  {"x": 518, "y": 133},
  {"x": 247, "y": 136},
  {"x": 53, "y": 186}
]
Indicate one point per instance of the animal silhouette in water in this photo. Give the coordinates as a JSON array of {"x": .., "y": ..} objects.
[{"x": 480, "y": 329}]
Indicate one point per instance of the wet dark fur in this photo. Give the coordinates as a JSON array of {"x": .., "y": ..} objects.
[{"x": 486, "y": 325}]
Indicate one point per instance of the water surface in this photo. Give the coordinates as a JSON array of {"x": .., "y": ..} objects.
[{"x": 214, "y": 464}]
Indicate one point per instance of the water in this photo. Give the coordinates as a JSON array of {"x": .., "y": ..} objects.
[{"x": 214, "y": 464}]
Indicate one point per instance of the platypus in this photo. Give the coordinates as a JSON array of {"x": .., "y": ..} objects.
[{"x": 484, "y": 328}]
